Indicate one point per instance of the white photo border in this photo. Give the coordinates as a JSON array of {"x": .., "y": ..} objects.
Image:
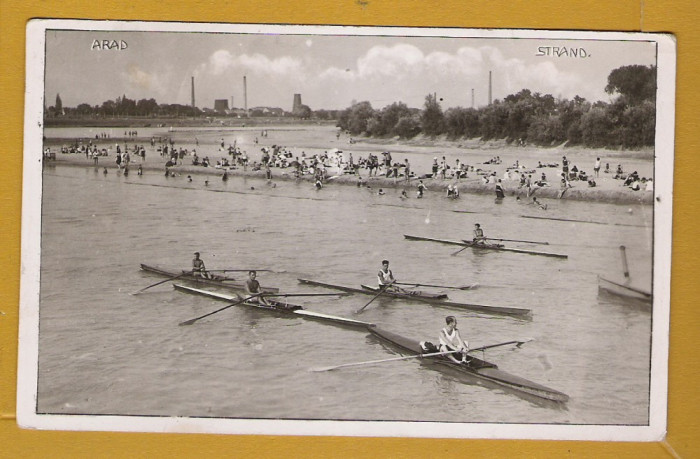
[{"x": 27, "y": 385}]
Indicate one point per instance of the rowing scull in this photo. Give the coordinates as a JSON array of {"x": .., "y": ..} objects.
[
  {"x": 497, "y": 247},
  {"x": 475, "y": 367},
  {"x": 366, "y": 290},
  {"x": 217, "y": 280},
  {"x": 276, "y": 306}
]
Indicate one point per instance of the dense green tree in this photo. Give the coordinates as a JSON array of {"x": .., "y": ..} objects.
[
  {"x": 145, "y": 107},
  {"x": 408, "y": 126},
  {"x": 546, "y": 130},
  {"x": 354, "y": 119},
  {"x": 84, "y": 109},
  {"x": 432, "y": 119},
  {"x": 636, "y": 83},
  {"x": 462, "y": 122},
  {"x": 389, "y": 117},
  {"x": 492, "y": 121},
  {"x": 596, "y": 128},
  {"x": 638, "y": 126}
]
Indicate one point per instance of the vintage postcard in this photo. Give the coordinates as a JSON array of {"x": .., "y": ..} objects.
[{"x": 354, "y": 231}]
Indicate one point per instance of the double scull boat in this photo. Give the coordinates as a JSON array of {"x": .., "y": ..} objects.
[{"x": 436, "y": 300}]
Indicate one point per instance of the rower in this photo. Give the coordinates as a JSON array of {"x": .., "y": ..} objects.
[
  {"x": 252, "y": 287},
  {"x": 198, "y": 268},
  {"x": 478, "y": 234},
  {"x": 451, "y": 340},
  {"x": 386, "y": 281}
]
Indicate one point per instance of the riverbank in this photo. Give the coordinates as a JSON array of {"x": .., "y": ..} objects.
[
  {"x": 473, "y": 184},
  {"x": 306, "y": 141}
]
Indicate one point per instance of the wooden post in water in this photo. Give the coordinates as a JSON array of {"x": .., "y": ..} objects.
[{"x": 625, "y": 269}]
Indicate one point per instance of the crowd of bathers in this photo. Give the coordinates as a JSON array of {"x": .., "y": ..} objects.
[{"x": 371, "y": 165}]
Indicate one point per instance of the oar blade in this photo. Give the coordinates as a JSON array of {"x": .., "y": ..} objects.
[
  {"x": 469, "y": 287},
  {"x": 524, "y": 341},
  {"x": 320, "y": 369},
  {"x": 188, "y": 322}
]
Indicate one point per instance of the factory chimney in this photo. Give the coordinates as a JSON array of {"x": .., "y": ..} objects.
[
  {"x": 245, "y": 95},
  {"x": 490, "y": 98}
]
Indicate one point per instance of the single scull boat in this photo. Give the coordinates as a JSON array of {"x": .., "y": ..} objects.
[
  {"x": 366, "y": 290},
  {"x": 624, "y": 289},
  {"x": 475, "y": 367},
  {"x": 487, "y": 246},
  {"x": 276, "y": 306},
  {"x": 217, "y": 280}
]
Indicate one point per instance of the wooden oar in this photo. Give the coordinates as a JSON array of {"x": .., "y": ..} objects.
[
  {"x": 464, "y": 287},
  {"x": 433, "y": 354},
  {"x": 516, "y": 342},
  {"x": 191, "y": 321},
  {"x": 516, "y": 240},
  {"x": 374, "y": 297},
  {"x": 236, "y": 270},
  {"x": 305, "y": 294},
  {"x": 368, "y": 362},
  {"x": 160, "y": 282},
  {"x": 460, "y": 250}
]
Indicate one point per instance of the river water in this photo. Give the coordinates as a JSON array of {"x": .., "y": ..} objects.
[{"x": 104, "y": 351}]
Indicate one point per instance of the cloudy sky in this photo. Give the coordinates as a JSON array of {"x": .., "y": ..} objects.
[{"x": 328, "y": 71}]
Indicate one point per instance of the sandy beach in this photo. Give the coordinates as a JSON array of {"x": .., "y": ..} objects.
[{"x": 421, "y": 151}]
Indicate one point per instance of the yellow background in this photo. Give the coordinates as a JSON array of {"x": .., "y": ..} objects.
[{"x": 679, "y": 17}]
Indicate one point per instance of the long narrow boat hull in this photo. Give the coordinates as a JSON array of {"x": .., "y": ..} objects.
[
  {"x": 436, "y": 302},
  {"x": 219, "y": 281},
  {"x": 496, "y": 247},
  {"x": 277, "y": 307},
  {"x": 475, "y": 367},
  {"x": 623, "y": 290},
  {"x": 414, "y": 293}
]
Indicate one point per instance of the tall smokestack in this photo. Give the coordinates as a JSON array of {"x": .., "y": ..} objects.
[
  {"x": 472, "y": 97},
  {"x": 193, "y": 110},
  {"x": 245, "y": 95},
  {"x": 490, "y": 99},
  {"x": 232, "y": 103}
]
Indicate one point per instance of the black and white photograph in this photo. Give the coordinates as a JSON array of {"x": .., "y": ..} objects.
[{"x": 353, "y": 231}]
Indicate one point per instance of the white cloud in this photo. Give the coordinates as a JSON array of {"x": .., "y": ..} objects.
[
  {"x": 219, "y": 61},
  {"x": 334, "y": 73},
  {"x": 396, "y": 61},
  {"x": 222, "y": 61},
  {"x": 143, "y": 81},
  {"x": 512, "y": 75},
  {"x": 403, "y": 61}
]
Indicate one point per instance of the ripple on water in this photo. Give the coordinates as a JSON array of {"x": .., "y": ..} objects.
[{"x": 105, "y": 351}]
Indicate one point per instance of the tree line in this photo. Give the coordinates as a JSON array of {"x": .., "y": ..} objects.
[
  {"x": 124, "y": 107},
  {"x": 628, "y": 121}
]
